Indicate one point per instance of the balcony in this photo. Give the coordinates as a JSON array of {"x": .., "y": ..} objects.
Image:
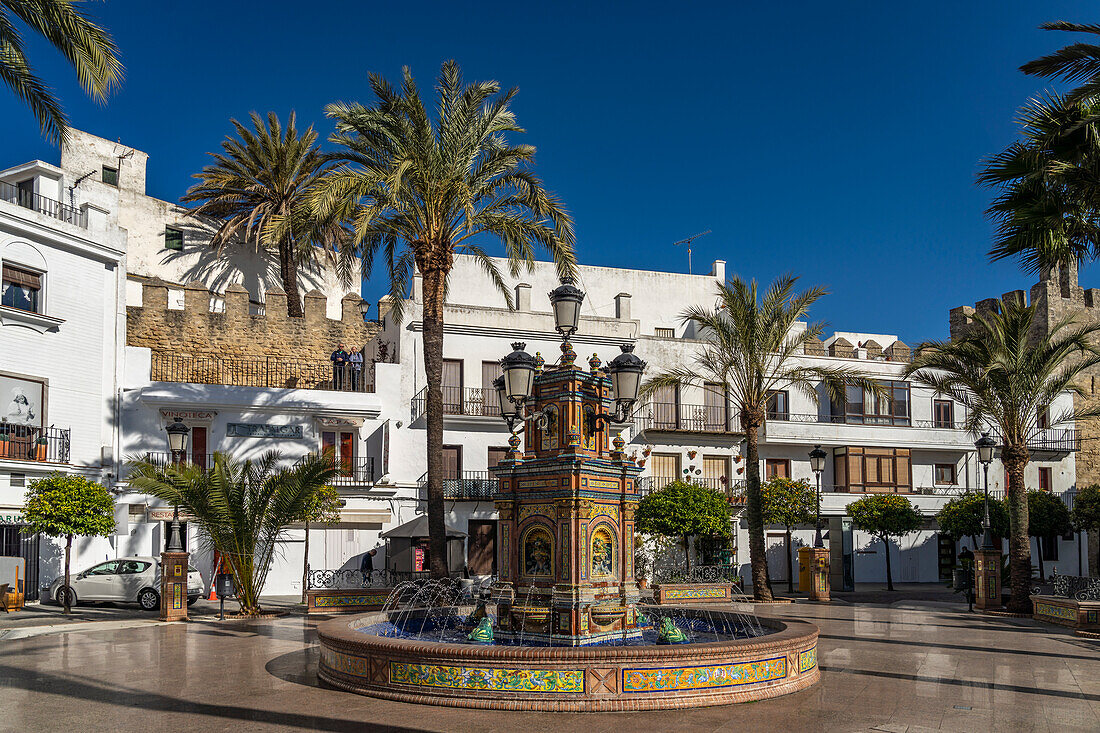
[
  {"x": 53, "y": 209},
  {"x": 351, "y": 472},
  {"x": 1050, "y": 440},
  {"x": 470, "y": 401},
  {"x": 734, "y": 490},
  {"x": 673, "y": 417},
  {"x": 270, "y": 372},
  {"x": 469, "y": 486},
  {"x": 28, "y": 443}
]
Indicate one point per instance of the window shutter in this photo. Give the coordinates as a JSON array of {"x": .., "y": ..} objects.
[{"x": 22, "y": 277}]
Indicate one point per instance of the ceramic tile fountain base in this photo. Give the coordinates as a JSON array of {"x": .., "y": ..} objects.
[{"x": 595, "y": 678}]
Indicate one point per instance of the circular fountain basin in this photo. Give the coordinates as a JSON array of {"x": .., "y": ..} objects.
[{"x": 587, "y": 678}]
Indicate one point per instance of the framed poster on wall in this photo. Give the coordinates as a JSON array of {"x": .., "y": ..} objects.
[{"x": 22, "y": 401}]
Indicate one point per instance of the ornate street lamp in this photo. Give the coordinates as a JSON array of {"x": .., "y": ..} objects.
[
  {"x": 364, "y": 308},
  {"x": 519, "y": 373},
  {"x": 566, "y": 300},
  {"x": 508, "y": 410},
  {"x": 817, "y": 465},
  {"x": 177, "y": 445},
  {"x": 985, "y": 446},
  {"x": 626, "y": 377}
]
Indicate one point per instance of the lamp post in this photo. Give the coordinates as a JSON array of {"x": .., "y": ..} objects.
[
  {"x": 566, "y": 300},
  {"x": 817, "y": 465},
  {"x": 177, "y": 445},
  {"x": 985, "y": 446},
  {"x": 364, "y": 308}
]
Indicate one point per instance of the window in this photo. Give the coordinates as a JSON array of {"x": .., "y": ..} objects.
[
  {"x": 21, "y": 289},
  {"x": 1046, "y": 479},
  {"x": 665, "y": 333},
  {"x": 777, "y": 468},
  {"x": 342, "y": 445},
  {"x": 664, "y": 467},
  {"x": 867, "y": 408},
  {"x": 133, "y": 567},
  {"x": 452, "y": 462},
  {"x": 778, "y": 406},
  {"x": 26, "y": 193},
  {"x": 716, "y": 472},
  {"x": 714, "y": 407},
  {"x": 495, "y": 456},
  {"x": 1042, "y": 419},
  {"x": 943, "y": 414},
  {"x": 173, "y": 238},
  {"x": 666, "y": 407},
  {"x": 873, "y": 470},
  {"x": 107, "y": 568},
  {"x": 452, "y": 387},
  {"x": 110, "y": 175},
  {"x": 490, "y": 370},
  {"x": 945, "y": 473}
]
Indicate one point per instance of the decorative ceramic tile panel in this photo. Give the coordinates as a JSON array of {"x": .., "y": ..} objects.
[
  {"x": 531, "y": 510},
  {"x": 371, "y": 599},
  {"x": 705, "y": 677},
  {"x": 488, "y": 678},
  {"x": 684, "y": 594},
  {"x": 1051, "y": 611},
  {"x": 807, "y": 660}
]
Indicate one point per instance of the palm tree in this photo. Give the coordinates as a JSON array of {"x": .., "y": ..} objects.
[
  {"x": 1007, "y": 373},
  {"x": 257, "y": 188},
  {"x": 243, "y": 508},
  {"x": 1079, "y": 62},
  {"x": 419, "y": 190},
  {"x": 89, "y": 49},
  {"x": 1047, "y": 211},
  {"x": 752, "y": 348}
]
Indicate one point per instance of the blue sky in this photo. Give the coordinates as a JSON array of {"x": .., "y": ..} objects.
[{"x": 838, "y": 141}]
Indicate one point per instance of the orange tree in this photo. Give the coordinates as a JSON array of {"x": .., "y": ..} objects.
[
  {"x": 789, "y": 503},
  {"x": 885, "y": 516},
  {"x": 682, "y": 509}
]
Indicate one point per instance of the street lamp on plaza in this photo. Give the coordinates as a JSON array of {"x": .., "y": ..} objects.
[
  {"x": 566, "y": 300},
  {"x": 177, "y": 445},
  {"x": 364, "y": 308},
  {"x": 985, "y": 446},
  {"x": 817, "y": 465}
]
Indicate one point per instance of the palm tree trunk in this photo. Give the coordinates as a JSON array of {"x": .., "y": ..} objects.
[
  {"x": 790, "y": 564},
  {"x": 288, "y": 273},
  {"x": 758, "y": 559},
  {"x": 434, "y": 282},
  {"x": 67, "y": 593},
  {"x": 305, "y": 564},
  {"x": 889, "y": 574},
  {"x": 1014, "y": 458}
]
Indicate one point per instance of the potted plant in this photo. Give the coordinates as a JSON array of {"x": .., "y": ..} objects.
[
  {"x": 41, "y": 448},
  {"x": 4, "y": 441}
]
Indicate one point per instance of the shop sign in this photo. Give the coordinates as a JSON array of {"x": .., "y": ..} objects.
[
  {"x": 188, "y": 414},
  {"x": 164, "y": 514},
  {"x": 261, "y": 430},
  {"x": 11, "y": 516}
]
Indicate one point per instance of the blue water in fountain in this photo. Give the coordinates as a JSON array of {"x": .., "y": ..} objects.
[{"x": 435, "y": 610}]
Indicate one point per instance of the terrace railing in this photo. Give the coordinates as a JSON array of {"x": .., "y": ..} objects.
[
  {"x": 680, "y": 417},
  {"x": 272, "y": 372},
  {"x": 1077, "y": 587},
  {"x": 472, "y": 401},
  {"x": 469, "y": 486},
  {"x": 29, "y": 443},
  {"x": 53, "y": 209}
]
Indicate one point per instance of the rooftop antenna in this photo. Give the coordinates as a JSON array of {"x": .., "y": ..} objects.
[{"x": 688, "y": 242}]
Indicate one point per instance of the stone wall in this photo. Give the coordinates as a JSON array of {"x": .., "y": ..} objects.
[{"x": 196, "y": 331}]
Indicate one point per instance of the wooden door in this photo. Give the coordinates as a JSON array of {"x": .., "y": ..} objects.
[
  {"x": 452, "y": 462},
  {"x": 714, "y": 406},
  {"x": 198, "y": 446},
  {"x": 481, "y": 559},
  {"x": 664, "y": 467},
  {"x": 452, "y": 387},
  {"x": 665, "y": 408},
  {"x": 347, "y": 453},
  {"x": 716, "y": 472}
]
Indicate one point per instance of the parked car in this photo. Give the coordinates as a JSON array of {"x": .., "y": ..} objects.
[{"x": 127, "y": 579}]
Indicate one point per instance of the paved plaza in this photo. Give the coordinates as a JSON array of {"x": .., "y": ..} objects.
[{"x": 910, "y": 666}]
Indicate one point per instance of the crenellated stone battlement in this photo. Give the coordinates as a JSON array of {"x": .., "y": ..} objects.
[{"x": 199, "y": 330}]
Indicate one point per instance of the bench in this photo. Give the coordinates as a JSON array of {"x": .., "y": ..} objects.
[{"x": 1075, "y": 603}]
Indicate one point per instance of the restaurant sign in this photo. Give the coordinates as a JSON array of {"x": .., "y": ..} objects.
[
  {"x": 11, "y": 516},
  {"x": 260, "y": 430},
  {"x": 164, "y": 514}
]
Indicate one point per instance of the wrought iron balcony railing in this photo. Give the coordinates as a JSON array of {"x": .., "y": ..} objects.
[
  {"x": 262, "y": 372},
  {"x": 680, "y": 417},
  {"x": 28, "y": 443},
  {"x": 472, "y": 401},
  {"x": 468, "y": 486},
  {"x": 53, "y": 209}
]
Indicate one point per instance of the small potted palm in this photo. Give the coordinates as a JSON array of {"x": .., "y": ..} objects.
[{"x": 41, "y": 448}]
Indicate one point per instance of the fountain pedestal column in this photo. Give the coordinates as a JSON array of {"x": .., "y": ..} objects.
[{"x": 566, "y": 528}]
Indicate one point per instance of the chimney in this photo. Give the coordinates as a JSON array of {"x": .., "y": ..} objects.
[
  {"x": 622, "y": 306},
  {"x": 523, "y": 297},
  {"x": 718, "y": 270}
]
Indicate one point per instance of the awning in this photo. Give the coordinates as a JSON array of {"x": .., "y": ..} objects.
[
  {"x": 419, "y": 528},
  {"x": 365, "y": 516}
]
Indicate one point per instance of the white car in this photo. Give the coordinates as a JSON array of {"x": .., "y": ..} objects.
[{"x": 127, "y": 579}]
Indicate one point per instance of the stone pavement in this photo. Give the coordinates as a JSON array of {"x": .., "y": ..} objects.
[{"x": 914, "y": 665}]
